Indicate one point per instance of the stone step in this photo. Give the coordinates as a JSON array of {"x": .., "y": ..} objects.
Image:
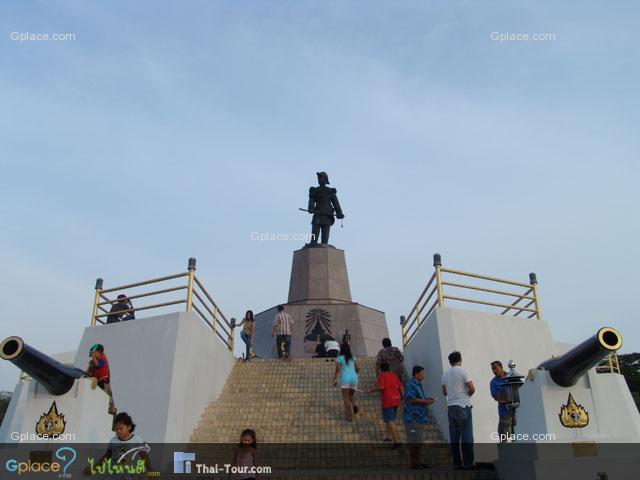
[{"x": 293, "y": 403}]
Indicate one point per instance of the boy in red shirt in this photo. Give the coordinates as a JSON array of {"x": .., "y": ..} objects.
[
  {"x": 391, "y": 392},
  {"x": 99, "y": 369}
]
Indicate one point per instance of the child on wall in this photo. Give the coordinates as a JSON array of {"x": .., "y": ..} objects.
[
  {"x": 99, "y": 370},
  {"x": 391, "y": 392}
]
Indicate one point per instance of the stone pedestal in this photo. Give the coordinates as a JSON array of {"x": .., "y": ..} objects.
[
  {"x": 319, "y": 274},
  {"x": 321, "y": 307}
]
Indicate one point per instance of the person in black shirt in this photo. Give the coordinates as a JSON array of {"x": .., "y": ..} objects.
[{"x": 123, "y": 304}]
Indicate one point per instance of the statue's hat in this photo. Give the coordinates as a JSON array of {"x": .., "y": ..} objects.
[{"x": 323, "y": 174}]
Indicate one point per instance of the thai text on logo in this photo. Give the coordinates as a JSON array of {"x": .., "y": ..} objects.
[
  {"x": 109, "y": 467},
  {"x": 125, "y": 462}
]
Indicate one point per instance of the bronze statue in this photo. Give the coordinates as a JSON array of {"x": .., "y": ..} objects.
[{"x": 323, "y": 202}]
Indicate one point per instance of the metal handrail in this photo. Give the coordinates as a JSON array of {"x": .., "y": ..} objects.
[
  {"x": 488, "y": 290},
  {"x": 204, "y": 290},
  {"x": 417, "y": 317},
  {"x": 142, "y": 295},
  {"x": 518, "y": 301},
  {"x": 146, "y": 307},
  {"x": 223, "y": 329},
  {"x": 413, "y": 321},
  {"x": 146, "y": 282},
  {"x": 610, "y": 364},
  {"x": 212, "y": 313},
  {"x": 484, "y": 277},
  {"x": 482, "y": 302},
  {"x": 424, "y": 290}
]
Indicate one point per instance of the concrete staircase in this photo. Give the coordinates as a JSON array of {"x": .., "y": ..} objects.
[{"x": 299, "y": 421}]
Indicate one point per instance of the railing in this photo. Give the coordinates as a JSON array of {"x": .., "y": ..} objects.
[
  {"x": 193, "y": 295},
  {"x": 438, "y": 292},
  {"x": 610, "y": 364}
]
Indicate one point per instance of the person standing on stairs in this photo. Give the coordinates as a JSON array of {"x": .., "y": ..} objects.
[
  {"x": 415, "y": 415},
  {"x": 393, "y": 357},
  {"x": 247, "y": 333},
  {"x": 458, "y": 387},
  {"x": 245, "y": 456},
  {"x": 391, "y": 392},
  {"x": 282, "y": 327},
  {"x": 332, "y": 348},
  {"x": 347, "y": 369}
]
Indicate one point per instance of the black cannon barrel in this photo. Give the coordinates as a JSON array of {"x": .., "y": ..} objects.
[
  {"x": 53, "y": 375},
  {"x": 567, "y": 369}
]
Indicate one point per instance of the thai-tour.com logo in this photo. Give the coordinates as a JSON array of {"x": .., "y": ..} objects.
[
  {"x": 182, "y": 462},
  {"x": 65, "y": 455},
  {"x": 185, "y": 463}
]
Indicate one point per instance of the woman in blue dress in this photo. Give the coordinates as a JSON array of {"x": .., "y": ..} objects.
[{"x": 347, "y": 370}]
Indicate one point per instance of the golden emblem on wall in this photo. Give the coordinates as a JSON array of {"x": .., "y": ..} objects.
[
  {"x": 51, "y": 423},
  {"x": 573, "y": 415}
]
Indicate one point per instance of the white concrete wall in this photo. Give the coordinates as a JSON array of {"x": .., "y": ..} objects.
[
  {"x": 200, "y": 371},
  {"x": 613, "y": 416},
  {"x": 12, "y": 421},
  {"x": 481, "y": 338},
  {"x": 164, "y": 371},
  {"x": 84, "y": 410}
]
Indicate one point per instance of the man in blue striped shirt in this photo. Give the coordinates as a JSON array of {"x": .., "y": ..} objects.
[{"x": 415, "y": 415}]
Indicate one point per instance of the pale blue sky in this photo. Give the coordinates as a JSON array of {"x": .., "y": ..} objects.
[{"x": 175, "y": 129}]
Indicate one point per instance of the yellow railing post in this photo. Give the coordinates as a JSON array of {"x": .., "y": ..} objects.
[
  {"x": 403, "y": 321},
  {"x": 233, "y": 327},
  {"x": 96, "y": 300},
  {"x": 533, "y": 281},
  {"x": 192, "y": 270},
  {"x": 615, "y": 363},
  {"x": 437, "y": 263}
]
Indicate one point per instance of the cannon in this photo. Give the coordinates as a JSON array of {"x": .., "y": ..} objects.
[
  {"x": 51, "y": 374},
  {"x": 565, "y": 370}
]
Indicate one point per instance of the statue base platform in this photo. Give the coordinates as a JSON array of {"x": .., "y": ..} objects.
[{"x": 321, "y": 307}]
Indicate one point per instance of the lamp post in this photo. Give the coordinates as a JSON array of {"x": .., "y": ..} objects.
[{"x": 513, "y": 382}]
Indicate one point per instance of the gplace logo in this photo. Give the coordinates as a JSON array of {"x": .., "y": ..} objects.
[
  {"x": 66, "y": 455},
  {"x": 182, "y": 462}
]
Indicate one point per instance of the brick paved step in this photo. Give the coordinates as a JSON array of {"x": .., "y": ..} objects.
[{"x": 293, "y": 403}]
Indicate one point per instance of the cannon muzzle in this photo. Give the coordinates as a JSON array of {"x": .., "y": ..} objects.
[
  {"x": 51, "y": 374},
  {"x": 567, "y": 369}
]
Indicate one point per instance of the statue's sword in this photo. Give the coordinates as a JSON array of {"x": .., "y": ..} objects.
[{"x": 309, "y": 211}]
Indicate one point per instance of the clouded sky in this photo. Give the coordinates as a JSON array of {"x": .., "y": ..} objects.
[{"x": 174, "y": 129}]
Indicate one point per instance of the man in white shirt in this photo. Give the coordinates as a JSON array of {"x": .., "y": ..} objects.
[
  {"x": 332, "y": 348},
  {"x": 282, "y": 329},
  {"x": 458, "y": 387}
]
